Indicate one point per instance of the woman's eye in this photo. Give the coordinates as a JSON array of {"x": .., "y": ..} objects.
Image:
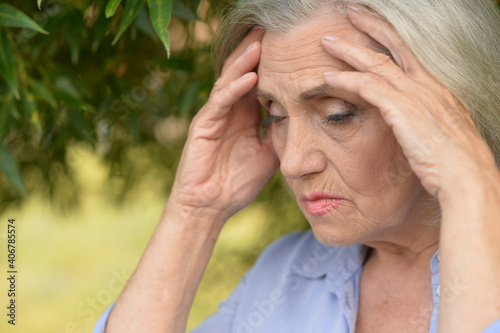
[
  {"x": 339, "y": 118},
  {"x": 272, "y": 120}
]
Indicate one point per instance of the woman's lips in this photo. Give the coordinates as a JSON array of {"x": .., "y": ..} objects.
[{"x": 320, "y": 203}]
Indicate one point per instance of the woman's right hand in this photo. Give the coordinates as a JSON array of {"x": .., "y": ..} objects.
[
  {"x": 225, "y": 164},
  {"x": 223, "y": 167}
]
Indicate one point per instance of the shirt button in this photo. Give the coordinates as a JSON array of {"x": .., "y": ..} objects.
[{"x": 438, "y": 291}]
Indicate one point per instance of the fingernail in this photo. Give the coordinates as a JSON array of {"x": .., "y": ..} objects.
[
  {"x": 247, "y": 76},
  {"x": 250, "y": 47},
  {"x": 330, "y": 38},
  {"x": 329, "y": 73},
  {"x": 355, "y": 9}
]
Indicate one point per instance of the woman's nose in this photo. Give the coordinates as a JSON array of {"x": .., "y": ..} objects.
[{"x": 302, "y": 152}]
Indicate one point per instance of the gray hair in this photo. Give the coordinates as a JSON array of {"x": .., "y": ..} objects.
[{"x": 457, "y": 41}]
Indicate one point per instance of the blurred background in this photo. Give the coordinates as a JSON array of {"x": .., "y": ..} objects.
[{"x": 95, "y": 101}]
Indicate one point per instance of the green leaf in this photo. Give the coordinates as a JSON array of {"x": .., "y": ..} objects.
[
  {"x": 73, "y": 38},
  {"x": 99, "y": 30},
  {"x": 7, "y": 111},
  {"x": 111, "y": 7},
  {"x": 39, "y": 3},
  {"x": 11, "y": 170},
  {"x": 130, "y": 12},
  {"x": 160, "y": 12},
  {"x": 180, "y": 10},
  {"x": 11, "y": 17},
  {"x": 41, "y": 91},
  {"x": 29, "y": 104},
  {"x": 190, "y": 98},
  {"x": 7, "y": 63}
]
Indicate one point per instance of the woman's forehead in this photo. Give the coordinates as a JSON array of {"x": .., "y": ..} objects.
[{"x": 295, "y": 60}]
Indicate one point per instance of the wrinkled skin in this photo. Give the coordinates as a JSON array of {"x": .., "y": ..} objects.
[{"x": 357, "y": 157}]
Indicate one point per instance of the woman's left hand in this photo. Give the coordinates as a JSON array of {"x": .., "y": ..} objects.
[
  {"x": 431, "y": 125},
  {"x": 446, "y": 151}
]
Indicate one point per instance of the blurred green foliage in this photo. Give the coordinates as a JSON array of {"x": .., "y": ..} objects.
[
  {"x": 82, "y": 75},
  {"x": 97, "y": 74},
  {"x": 80, "y": 79},
  {"x": 104, "y": 74},
  {"x": 93, "y": 118}
]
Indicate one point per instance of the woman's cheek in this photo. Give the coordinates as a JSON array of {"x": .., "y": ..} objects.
[
  {"x": 279, "y": 141},
  {"x": 342, "y": 134},
  {"x": 366, "y": 158}
]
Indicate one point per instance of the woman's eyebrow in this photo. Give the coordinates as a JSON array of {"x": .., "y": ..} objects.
[
  {"x": 322, "y": 90},
  {"x": 265, "y": 95}
]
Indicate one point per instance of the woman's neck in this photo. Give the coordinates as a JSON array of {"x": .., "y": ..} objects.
[{"x": 415, "y": 245}]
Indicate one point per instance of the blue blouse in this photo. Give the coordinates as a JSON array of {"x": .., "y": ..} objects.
[{"x": 299, "y": 285}]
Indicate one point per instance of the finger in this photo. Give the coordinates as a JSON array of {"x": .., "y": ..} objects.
[
  {"x": 399, "y": 107},
  {"x": 245, "y": 63},
  {"x": 370, "y": 88},
  {"x": 221, "y": 101},
  {"x": 255, "y": 35},
  {"x": 366, "y": 60},
  {"x": 384, "y": 33}
]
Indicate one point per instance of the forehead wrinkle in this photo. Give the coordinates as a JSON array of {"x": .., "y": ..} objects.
[
  {"x": 290, "y": 41},
  {"x": 320, "y": 91},
  {"x": 294, "y": 61},
  {"x": 288, "y": 57}
]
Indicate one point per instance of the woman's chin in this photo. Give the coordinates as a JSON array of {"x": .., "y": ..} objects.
[{"x": 331, "y": 236}]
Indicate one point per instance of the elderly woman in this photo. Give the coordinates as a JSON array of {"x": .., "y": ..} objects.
[{"x": 384, "y": 121}]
